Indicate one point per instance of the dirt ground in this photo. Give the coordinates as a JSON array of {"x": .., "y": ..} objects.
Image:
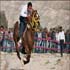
[{"x": 46, "y": 61}]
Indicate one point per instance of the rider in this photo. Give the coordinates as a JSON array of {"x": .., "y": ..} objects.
[{"x": 24, "y": 16}]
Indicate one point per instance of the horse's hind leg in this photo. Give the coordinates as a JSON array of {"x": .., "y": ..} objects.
[
  {"x": 15, "y": 36},
  {"x": 17, "y": 50}
]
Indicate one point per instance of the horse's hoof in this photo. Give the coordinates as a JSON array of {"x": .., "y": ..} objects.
[
  {"x": 24, "y": 58},
  {"x": 25, "y": 62}
]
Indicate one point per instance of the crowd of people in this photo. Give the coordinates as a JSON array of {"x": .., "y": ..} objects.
[
  {"x": 54, "y": 38},
  {"x": 6, "y": 39}
]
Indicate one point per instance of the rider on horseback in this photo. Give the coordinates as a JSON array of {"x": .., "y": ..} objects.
[{"x": 24, "y": 17}]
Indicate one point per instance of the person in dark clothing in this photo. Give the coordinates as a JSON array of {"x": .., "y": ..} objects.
[
  {"x": 1, "y": 37},
  {"x": 67, "y": 37}
]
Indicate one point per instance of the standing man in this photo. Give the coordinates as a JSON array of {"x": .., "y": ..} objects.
[
  {"x": 61, "y": 37},
  {"x": 25, "y": 13}
]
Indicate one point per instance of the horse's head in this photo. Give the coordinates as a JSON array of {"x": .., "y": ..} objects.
[
  {"x": 35, "y": 20},
  {"x": 35, "y": 14}
]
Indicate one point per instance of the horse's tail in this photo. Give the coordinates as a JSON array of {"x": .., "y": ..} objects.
[{"x": 15, "y": 33}]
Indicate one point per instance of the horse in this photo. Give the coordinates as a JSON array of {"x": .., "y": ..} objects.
[{"x": 27, "y": 38}]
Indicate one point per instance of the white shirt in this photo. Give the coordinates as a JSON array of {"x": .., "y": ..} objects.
[
  {"x": 61, "y": 36},
  {"x": 23, "y": 12},
  {"x": 39, "y": 34}
]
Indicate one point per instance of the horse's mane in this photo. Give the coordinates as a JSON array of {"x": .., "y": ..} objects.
[{"x": 35, "y": 20}]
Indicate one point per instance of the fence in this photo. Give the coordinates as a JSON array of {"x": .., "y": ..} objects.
[
  {"x": 41, "y": 45},
  {"x": 48, "y": 45}
]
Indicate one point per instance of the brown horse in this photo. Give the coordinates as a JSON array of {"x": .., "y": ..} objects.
[{"x": 27, "y": 39}]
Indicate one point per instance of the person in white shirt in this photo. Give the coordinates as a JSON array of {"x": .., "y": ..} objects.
[
  {"x": 24, "y": 17},
  {"x": 61, "y": 38}
]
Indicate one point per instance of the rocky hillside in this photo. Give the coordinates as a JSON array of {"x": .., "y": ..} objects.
[{"x": 52, "y": 13}]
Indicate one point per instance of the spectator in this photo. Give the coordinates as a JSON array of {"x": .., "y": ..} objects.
[
  {"x": 5, "y": 40},
  {"x": 50, "y": 36},
  {"x": 61, "y": 39},
  {"x": 35, "y": 40},
  {"x": 53, "y": 37},
  {"x": 1, "y": 36},
  {"x": 39, "y": 39},
  {"x": 10, "y": 41},
  {"x": 57, "y": 39},
  {"x": 36, "y": 37},
  {"x": 67, "y": 37},
  {"x": 44, "y": 36}
]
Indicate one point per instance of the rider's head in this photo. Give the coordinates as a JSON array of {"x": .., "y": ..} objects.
[{"x": 29, "y": 6}]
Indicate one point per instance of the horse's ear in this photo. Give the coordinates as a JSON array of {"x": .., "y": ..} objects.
[{"x": 35, "y": 10}]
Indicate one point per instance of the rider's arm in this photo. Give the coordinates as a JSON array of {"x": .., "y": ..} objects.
[{"x": 29, "y": 16}]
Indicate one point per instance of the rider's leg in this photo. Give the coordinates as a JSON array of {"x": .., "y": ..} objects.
[{"x": 22, "y": 26}]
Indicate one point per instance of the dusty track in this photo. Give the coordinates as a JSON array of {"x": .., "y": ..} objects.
[{"x": 9, "y": 61}]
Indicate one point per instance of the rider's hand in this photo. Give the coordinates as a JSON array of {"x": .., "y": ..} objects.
[{"x": 29, "y": 18}]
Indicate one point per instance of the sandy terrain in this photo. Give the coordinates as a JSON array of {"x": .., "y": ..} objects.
[{"x": 47, "y": 61}]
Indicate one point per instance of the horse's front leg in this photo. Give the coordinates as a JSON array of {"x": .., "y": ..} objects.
[
  {"x": 28, "y": 55},
  {"x": 27, "y": 58}
]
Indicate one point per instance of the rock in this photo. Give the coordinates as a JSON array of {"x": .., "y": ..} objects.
[{"x": 52, "y": 13}]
